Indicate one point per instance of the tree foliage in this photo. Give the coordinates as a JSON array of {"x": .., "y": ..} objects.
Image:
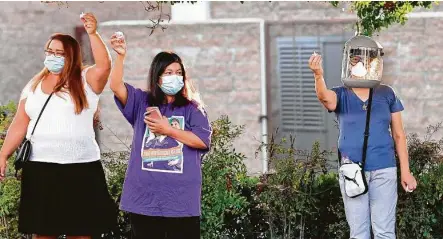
[{"x": 375, "y": 16}]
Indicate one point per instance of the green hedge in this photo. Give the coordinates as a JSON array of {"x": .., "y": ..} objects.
[{"x": 301, "y": 197}]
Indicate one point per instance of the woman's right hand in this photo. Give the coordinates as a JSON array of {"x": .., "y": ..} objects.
[
  {"x": 315, "y": 64},
  {"x": 3, "y": 163},
  {"x": 118, "y": 44}
]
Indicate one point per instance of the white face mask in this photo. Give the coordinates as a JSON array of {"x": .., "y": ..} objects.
[
  {"x": 54, "y": 64},
  {"x": 359, "y": 70},
  {"x": 172, "y": 84}
]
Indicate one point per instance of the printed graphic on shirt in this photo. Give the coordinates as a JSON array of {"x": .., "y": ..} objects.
[{"x": 162, "y": 153}]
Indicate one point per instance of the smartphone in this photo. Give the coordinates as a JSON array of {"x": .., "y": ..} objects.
[{"x": 153, "y": 112}]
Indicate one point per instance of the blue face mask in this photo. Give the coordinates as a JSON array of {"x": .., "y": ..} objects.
[
  {"x": 54, "y": 64},
  {"x": 172, "y": 84}
]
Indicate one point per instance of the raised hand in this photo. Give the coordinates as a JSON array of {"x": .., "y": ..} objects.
[
  {"x": 89, "y": 22},
  {"x": 118, "y": 43},
  {"x": 315, "y": 64}
]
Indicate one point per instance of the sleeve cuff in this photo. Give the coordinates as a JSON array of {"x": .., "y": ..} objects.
[{"x": 127, "y": 109}]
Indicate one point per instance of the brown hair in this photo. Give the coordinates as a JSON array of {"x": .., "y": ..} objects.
[{"x": 71, "y": 80}]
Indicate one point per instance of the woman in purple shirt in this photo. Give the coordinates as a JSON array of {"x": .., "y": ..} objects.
[{"x": 162, "y": 188}]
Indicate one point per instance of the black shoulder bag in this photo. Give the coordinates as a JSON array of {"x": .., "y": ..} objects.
[
  {"x": 24, "y": 152},
  {"x": 355, "y": 183}
]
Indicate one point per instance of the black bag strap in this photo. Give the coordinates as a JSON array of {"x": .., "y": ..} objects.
[
  {"x": 366, "y": 133},
  {"x": 41, "y": 112}
]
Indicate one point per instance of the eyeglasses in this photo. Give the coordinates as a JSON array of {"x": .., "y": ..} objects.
[{"x": 56, "y": 54}]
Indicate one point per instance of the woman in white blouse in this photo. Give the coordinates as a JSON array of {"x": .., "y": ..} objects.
[{"x": 64, "y": 190}]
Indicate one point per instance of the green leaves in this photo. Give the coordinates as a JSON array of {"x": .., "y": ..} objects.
[
  {"x": 375, "y": 16},
  {"x": 420, "y": 213},
  {"x": 293, "y": 198},
  {"x": 10, "y": 187},
  {"x": 224, "y": 179},
  {"x": 7, "y": 113},
  {"x": 115, "y": 165}
]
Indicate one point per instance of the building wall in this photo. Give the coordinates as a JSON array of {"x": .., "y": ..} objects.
[
  {"x": 277, "y": 11},
  {"x": 288, "y": 10},
  {"x": 222, "y": 59},
  {"x": 412, "y": 59},
  {"x": 226, "y": 70},
  {"x": 414, "y": 56},
  {"x": 26, "y": 26}
]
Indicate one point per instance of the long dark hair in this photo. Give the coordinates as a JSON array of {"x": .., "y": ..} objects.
[{"x": 186, "y": 95}]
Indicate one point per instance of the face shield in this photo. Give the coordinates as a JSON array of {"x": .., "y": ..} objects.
[{"x": 362, "y": 65}]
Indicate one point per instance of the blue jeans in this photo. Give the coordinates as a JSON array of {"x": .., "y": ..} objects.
[{"x": 376, "y": 208}]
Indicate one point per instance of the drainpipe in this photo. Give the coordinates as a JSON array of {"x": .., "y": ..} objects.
[{"x": 264, "y": 103}]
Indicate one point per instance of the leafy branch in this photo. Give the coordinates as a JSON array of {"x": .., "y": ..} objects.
[
  {"x": 375, "y": 16},
  {"x": 158, "y": 22},
  {"x": 161, "y": 17}
]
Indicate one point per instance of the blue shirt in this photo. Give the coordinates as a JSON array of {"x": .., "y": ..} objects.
[{"x": 352, "y": 118}]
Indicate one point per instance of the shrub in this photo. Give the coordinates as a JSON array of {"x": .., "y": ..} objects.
[
  {"x": 10, "y": 187},
  {"x": 227, "y": 193},
  {"x": 115, "y": 165},
  {"x": 419, "y": 214},
  {"x": 300, "y": 193}
]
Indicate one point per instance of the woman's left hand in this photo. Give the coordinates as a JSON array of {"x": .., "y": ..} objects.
[
  {"x": 90, "y": 23},
  {"x": 408, "y": 182},
  {"x": 159, "y": 126}
]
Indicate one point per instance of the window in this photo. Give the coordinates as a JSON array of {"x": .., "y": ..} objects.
[{"x": 300, "y": 108}]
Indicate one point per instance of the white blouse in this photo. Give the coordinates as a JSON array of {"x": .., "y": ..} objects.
[{"x": 61, "y": 136}]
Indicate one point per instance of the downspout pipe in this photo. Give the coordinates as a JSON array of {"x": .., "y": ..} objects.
[{"x": 264, "y": 100}]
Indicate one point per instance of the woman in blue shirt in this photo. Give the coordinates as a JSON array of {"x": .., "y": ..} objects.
[{"x": 377, "y": 207}]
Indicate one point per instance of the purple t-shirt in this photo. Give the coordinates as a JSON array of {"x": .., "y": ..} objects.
[{"x": 163, "y": 176}]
